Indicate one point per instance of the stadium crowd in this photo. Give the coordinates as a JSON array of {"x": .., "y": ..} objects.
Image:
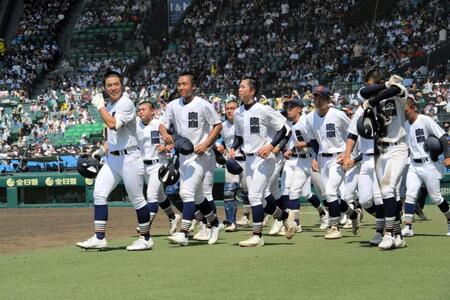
[
  {"x": 298, "y": 44},
  {"x": 111, "y": 12},
  {"x": 284, "y": 43},
  {"x": 34, "y": 49}
]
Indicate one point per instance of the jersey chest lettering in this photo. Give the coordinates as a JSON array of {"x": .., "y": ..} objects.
[
  {"x": 254, "y": 125},
  {"x": 420, "y": 135},
  {"x": 299, "y": 135},
  {"x": 331, "y": 130},
  {"x": 155, "y": 137},
  {"x": 193, "y": 120}
]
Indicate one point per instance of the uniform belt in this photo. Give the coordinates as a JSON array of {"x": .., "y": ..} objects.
[
  {"x": 369, "y": 154},
  {"x": 303, "y": 155},
  {"x": 385, "y": 144},
  {"x": 122, "y": 152},
  {"x": 329, "y": 154},
  {"x": 421, "y": 160},
  {"x": 240, "y": 158},
  {"x": 150, "y": 162},
  {"x": 250, "y": 154}
]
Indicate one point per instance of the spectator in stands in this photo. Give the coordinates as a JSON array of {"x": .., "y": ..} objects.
[{"x": 83, "y": 141}]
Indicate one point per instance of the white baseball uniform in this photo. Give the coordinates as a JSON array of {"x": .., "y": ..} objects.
[
  {"x": 422, "y": 169},
  {"x": 330, "y": 131},
  {"x": 228, "y": 135},
  {"x": 273, "y": 188},
  {"x": 124, "y": 160},
  {"x": 300, "y": 179},
  {"x": 368, "y": 187},
  {"x": 393, "y": 150},
  {"x": 193, "y": 121},
  {"x": 148, "y": 138},
  {"x": 257, "y": 126}
]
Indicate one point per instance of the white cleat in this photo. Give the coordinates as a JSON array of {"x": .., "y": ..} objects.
[
  {"x": 376, "y": 240},
  {"x": 407, "y": 232},
  {"x": 276, "y": 227},
  {"x": 214, "y": 236},
  {"x": 174, "y": 223},
  {"x": 244, "y": 222},
  {"x": 282, "y": 231},
  {"x": 399, "y": 242},
  {"x": 388, "y": 242},
  {"x": 324, "y": 221},
  {"x": 178, "y": 238},
  {"x": 290, "y": 224},
  {"x": 267, "y": 220},
  {"x": 333, "y": 233},
  {"x": 356, "y": 222},
  {"x": 93, "y": 243},
  {"x": 448, "y": 233},
  {"x": 193, "y": 225},
  {"x": 299, "y": 229},
  {"x": 254, "y": 241},
  {"x": 141, "y": 244},
  {"x": 204, "y": 234},
  {"x": 343, "y": 219},
  {"x": 348, "y": 224},
  {"x": 230, "y": 228},
  {"x": 221, "y": 226}
]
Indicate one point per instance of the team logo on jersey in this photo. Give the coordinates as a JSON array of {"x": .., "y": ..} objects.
[
  {"x": 331, "y": 130},
  {"x": 254, "y": 125},
  {"x": 299, "y": 136},
  {"x": 155, "y": 137},
  {"x": 193, "y": 120},
  {"x": 420, "y": 135}
]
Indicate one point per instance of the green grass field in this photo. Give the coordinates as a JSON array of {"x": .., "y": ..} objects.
[{"x": 307, "y": 267}]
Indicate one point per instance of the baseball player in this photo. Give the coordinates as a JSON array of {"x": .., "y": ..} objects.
[
  {"x": 274, "y": 190},
  {"x": 204, "y": 233},
  {"x": 327, "y": 130},
  {"x": 391, "y": 155},
  {"x": 368, "y": 188},
  {"x": 154, "y": 155},
  {"x": 232, "y": 182},
  {"x": 193, "y": 117},
  {"x": 123, "y": 163},
  {"x": 259, "y": 129},
  {"x": 423, "y": 169},
  {"x": 296, "y": 177}
]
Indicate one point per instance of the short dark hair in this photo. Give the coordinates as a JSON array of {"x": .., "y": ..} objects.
[
  {"x": 232, "y": 101},
  {"x": 191, "y": 74},
  {"x": 374, "y": 74},
  {"x": 147, "y": 102},
  {"x": 252, "y": 83},
  {"x": 110, "y": 73}
]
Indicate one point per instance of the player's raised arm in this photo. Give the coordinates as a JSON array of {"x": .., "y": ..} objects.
[{"x": 113, "y": 86}]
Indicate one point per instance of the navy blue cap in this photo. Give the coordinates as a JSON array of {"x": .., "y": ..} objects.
[
  {"x": 322, "y": 90},
  {"x": 294, "y": 103}
]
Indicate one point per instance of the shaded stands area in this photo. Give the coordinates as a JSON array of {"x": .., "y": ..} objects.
[
  {"x": 107, "y": 35},
  {"x": 33, "y": 50},
  {"x": 58, "y": 163}
]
